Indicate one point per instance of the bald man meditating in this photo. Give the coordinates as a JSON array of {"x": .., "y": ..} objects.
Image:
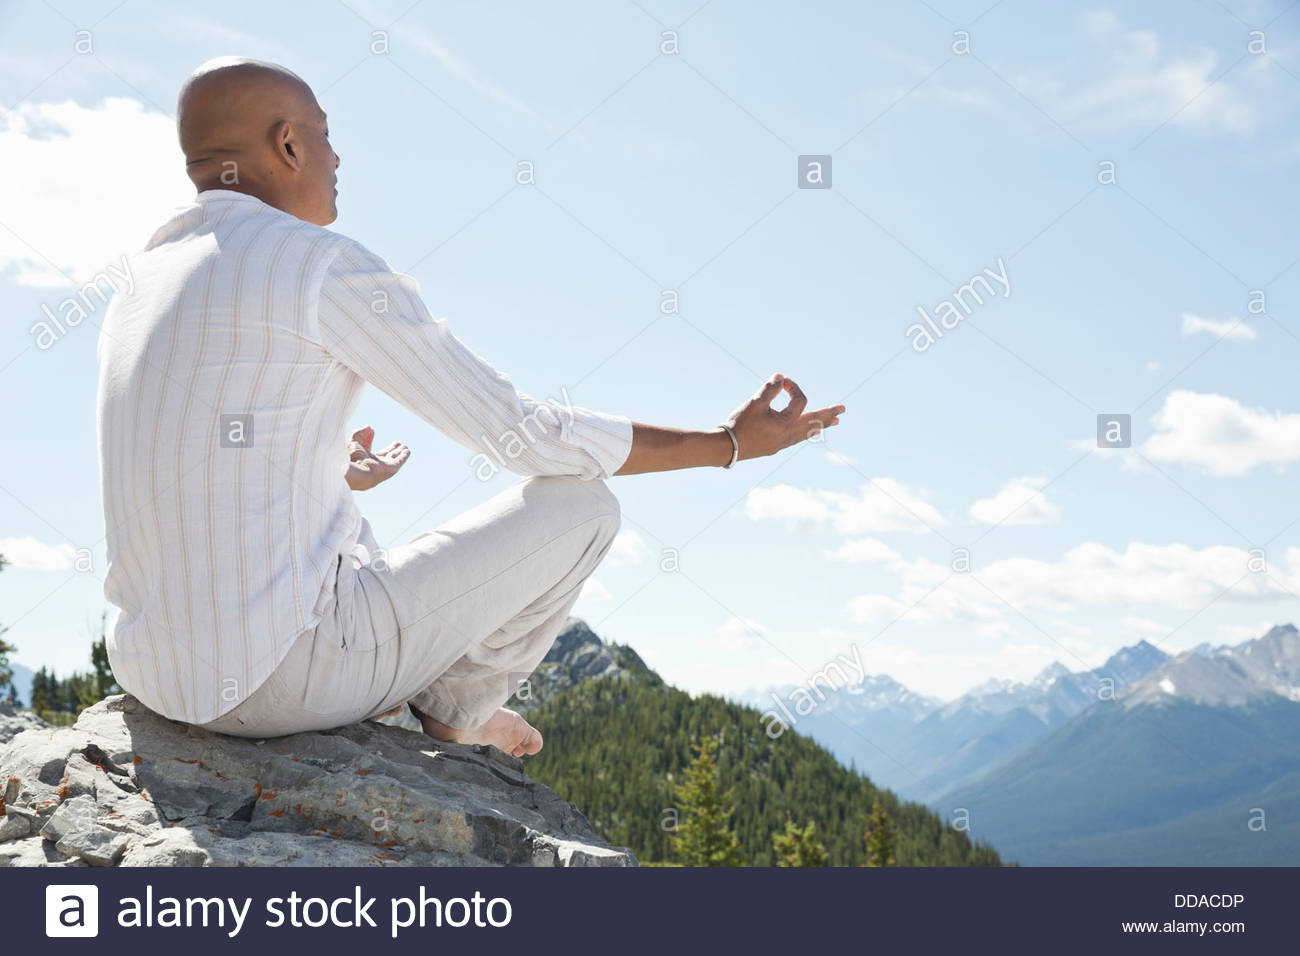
[{"x": 253, "y": 596}]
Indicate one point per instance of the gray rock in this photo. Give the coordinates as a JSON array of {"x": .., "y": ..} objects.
[
  {"x": 124, "y": 786},
  {"x": 35, "y": 851},
  {"x": 13, "y": 826},
  {"x": 98, "y": 846},
  {"x": 13, "y": 723},
  {"x": 78, "y": 813},
  {"x": 166, "y": 848},
  {"x": 212, "y": 845}
]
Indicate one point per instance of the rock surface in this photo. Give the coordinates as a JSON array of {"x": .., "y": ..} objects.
[
  {"x": 14, "y": 722},
  {"x": 126, "y": 787}
]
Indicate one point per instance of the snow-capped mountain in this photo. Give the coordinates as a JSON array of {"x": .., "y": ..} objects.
[
  {"x": 875, "y": 693},
  {"x": 1165, "y": 773},
  {"x": 920, "y": 746},
  {"x": 1057, "y": 693},
  {"x": 1226, "y": 676}
]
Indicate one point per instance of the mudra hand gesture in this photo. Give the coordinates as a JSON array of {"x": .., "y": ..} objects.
[
  {"x": 762, "y": 430},
  {"x": 368, "y": 468}
]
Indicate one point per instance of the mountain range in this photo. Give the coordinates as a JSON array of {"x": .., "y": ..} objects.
[
  {"x": 1150, "y": 759},
  {"x": 618, "y": 740},
  {"x": 22, "y": 681},
  {"x": 922, "y": 747}
]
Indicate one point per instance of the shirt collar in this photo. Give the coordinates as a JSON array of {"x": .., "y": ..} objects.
[{"x": 225, "y": 194}]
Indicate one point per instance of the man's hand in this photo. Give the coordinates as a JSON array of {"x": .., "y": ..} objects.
[
  {"x": 761, "y": 430},
  {"x": 368, "y": 468}
]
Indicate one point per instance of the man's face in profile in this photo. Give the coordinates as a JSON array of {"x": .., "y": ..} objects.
[{"x": 319, "y": 172}]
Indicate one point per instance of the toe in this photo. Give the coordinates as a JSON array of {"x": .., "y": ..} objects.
[{"x": 531, "y": 742}]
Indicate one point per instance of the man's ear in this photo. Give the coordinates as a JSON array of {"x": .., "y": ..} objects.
[{"x": 287, "y": 145}]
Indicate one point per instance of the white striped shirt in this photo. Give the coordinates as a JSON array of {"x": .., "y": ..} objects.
[{"x": 223, "y": 545}]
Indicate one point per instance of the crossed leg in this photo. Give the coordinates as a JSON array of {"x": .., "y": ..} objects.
[{"x": 467, "y": 611}]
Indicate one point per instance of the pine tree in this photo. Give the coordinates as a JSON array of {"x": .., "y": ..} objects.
[
  {"x": 796, "y": 847},
  {"x": 624, "y": 790},
  {"x": 880, "y": 836},
  {"x": 6, "y": 672},
  {"x": 703, "y": 837},
  {"x": 105, "y": 683},
  {"x": 99, "y": 683},
  {"x": 71, "y": 691},
  {"x": 40, "y": 691}
]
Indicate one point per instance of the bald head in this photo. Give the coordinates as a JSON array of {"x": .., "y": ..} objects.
[{"x": 255, "y": 127}]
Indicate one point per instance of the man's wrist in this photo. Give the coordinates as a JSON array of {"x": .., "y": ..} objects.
[
  {"x": 729, "y": 447},
  {"x": 356, "y": 479}
]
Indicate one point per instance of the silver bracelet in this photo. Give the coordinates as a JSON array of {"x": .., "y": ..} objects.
[{"x": 735, "y": 454}]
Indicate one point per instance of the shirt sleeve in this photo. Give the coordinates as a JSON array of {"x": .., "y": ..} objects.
[{"x": 375, "y": 322}]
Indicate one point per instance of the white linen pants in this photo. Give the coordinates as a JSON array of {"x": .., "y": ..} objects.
[{"x": 450, "y": 621}]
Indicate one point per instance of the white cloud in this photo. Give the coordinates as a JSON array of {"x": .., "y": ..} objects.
[
  {"x": 948, "y": 669},
  {"x": 1089, "y": 575},
  {"x": 1071, "y": 628},
  {"x": 83, "y": 185},
  {"x": 882, "y": 505},
  {"x": 838, "y": 458},
  {"x": 36, "y": 555},
  {"x": 628, "y": 548},
  {"x": 1219, "y": 435},
  {"x": 1020, "y": 501},
  {"x": 932, "y": 593},
  {"x": 1143, "y": 626},
  {"x": 965, "y": 98},
  {"x": 1234, "y": 330},
  {"x": 865, "y": 551},
  {"x": 1131, "y": 81},
  {"x": 1171, "y": 575},
  {"x": 737, "y": 634},
  {"x": 1237, "y": 633},
  {"x": 1128, "y": 457},
  {"x": 593, "y": 590},
  {"x": 874, "y": 608},
  {"x": 951, "y": 673},
  {"x": 787, "y": 503}
]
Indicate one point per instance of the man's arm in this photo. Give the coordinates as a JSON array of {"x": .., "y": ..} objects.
[
  {"x": 760, "y": 431},
  {"x": 374, "y": 321},
  {"x": 656, "y": 448}
]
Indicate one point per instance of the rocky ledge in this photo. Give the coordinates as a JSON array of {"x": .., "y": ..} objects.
[{"x": 126, "y": 787}]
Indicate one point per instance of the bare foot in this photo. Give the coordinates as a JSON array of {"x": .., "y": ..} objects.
[{"x": 505, "y": 730}]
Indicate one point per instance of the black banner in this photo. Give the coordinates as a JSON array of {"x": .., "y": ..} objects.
[{"x": 1012, "y": 909}]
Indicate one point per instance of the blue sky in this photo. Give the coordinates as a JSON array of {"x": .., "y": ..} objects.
[{"x": 1171, "y": 294}]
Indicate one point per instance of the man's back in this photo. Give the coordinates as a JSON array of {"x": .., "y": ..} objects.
[{"x": 221, "y": 422}]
